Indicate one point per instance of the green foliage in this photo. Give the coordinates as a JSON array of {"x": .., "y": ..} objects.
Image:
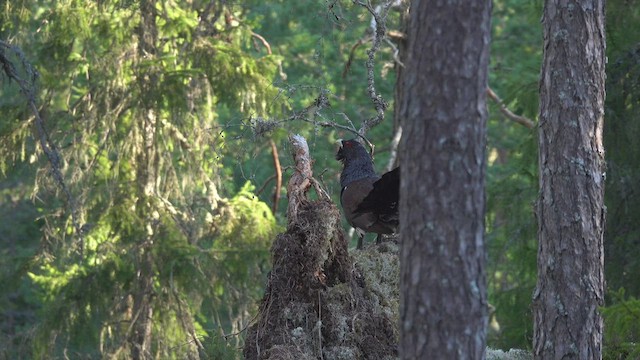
[
  {"x": 218, "y": 347},
  {"x": 78, "y": 303},
  {"x": 622, "y": 125},
  {"x": 221, "y": 81},
  {"x": 246, "y": 217},
  {"x": 511, "y": 240},
  {"x": 224, "y": 64},
  {"x": 512, "y": 177},
  {"x": 204, "y": 252},
  {"x": 516, "y": 54},
  {"x": 622, "y": 312},
  {"x": 19, "y": 237},
  {"x": 622, "y": 327}
]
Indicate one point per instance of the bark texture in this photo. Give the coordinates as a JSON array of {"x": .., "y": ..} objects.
[
  {"x": 443, "y": 305},
  {"x": 570, "y": 207}
]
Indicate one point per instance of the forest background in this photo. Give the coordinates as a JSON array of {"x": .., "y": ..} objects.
[{"x": 149, "y": 167}]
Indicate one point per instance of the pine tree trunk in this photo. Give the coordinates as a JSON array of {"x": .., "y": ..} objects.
[
  {"x": 570, "y": 208},
  {"x": 443, "y": 306}
]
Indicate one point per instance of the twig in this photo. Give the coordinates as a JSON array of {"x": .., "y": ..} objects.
[
  {"x": 322, "y": 101},
  {"x": 506, "y": 112},
  {"x": 352, "y": 54},
  {"x": 187, "y": 323},
  {"x": 264, "y": 185},
  {"x": 343, "y": 127},
  {"x": 396, "y": 52},
  {"x": 225, "y": 336}
]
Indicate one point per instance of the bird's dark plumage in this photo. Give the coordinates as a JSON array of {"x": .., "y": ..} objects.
[
  {"x": 370, "y": 202},
  {"x": 383, "y": 198}
]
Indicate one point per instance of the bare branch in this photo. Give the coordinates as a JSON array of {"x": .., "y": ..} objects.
[
  {"x": 301, "y": 179},
  {"x": 263, "y": 40},
  {"x": 379, "y": 18},
  {"x": 264, "y": 185},
  {"x": 276, "y": 165},
  {"x": 396, "y": 52},
  {"x": 352, "y": 54},
  {"x": 506, "y": 112},
  {"x": 343, "y": 127}
]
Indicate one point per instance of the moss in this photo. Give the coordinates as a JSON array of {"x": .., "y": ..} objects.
[
  {"x": 380, "y": 267},
  {"x": 317, "y": 303}
]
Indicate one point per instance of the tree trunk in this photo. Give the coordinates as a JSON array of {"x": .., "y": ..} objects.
[
  {"x": 146, "y": 173},
  {"x": 400, "y": 39},
  {"x": 443, "y": 308},
  {"x": 570, "y": 208}
]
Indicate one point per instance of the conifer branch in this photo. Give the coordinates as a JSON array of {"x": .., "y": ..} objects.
[{"x": 27, "y": 87}]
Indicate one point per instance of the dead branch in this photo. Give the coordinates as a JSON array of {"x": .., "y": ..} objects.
[
  {"x": 396, "y": 52},
  {"x": 506, "y": 112},
  {"x": 352, "y": 54},
  {"x": 301, "y": 179},
  {"x": 263, "y": 41},
  {"x": 264, "y": 185},
  {"x": 343, "y": 127},
  {"x": 379, "y": 22},
  {"x": 276, "y": 165}
]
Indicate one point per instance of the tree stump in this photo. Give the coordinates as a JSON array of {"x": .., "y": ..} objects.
[{"x": 317, "y": 303}]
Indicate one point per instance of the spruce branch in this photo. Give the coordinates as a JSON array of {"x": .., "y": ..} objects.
[{"x": 28, "y": 89}]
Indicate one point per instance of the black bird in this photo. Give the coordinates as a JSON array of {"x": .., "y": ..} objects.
[{"x": 369, "y": 201}]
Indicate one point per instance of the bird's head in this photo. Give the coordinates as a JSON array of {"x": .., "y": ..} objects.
[
  {"x": 351, "y": 149},
  {"x": 356, "y": 160}
]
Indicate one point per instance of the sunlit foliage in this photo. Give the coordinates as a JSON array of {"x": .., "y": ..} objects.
[{"x": 165, "y": 153}]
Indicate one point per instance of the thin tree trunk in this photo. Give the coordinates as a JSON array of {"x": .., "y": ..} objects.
[
  {"x": 570, "y": 208},
  {"x": 401, "y": 58},
  {"x": 140, "y": 338},
  {"x": 443, "y": 305}
]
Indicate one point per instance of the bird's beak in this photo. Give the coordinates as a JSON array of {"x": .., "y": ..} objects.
[{"x": 339, "y": 142}]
